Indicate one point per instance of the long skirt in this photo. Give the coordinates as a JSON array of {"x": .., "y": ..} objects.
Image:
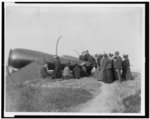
[
  {"x": 105, "y": 75},
  {"x": 100, "y": 74},
  {"x": 108, "y": 76},
  {"x": 126, "y": 74},
  {"x": 96, "y": 73}
]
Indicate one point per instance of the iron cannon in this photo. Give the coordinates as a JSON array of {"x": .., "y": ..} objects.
[{"x": 18, "y": 58}]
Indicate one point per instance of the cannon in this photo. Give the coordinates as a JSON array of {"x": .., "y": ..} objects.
[{"x": 18, "y": 58}]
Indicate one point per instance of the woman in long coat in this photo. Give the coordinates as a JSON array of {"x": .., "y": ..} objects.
[
  {"x": 126, "y": 73},
  {"x": 105, "y": 72}
]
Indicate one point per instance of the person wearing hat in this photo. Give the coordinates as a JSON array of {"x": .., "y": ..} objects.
[
  {"x": 103, "y": 62},
  {"x": 105, "y": 73},
  {"x": 87, "y": 56},
  {"x": 126, "y": 73},
  {"x": 100, "y": 56},
  {"x": 112, "y": 65},
  {"x": 117, "y": 64},
  {"x": 57, "y": 73}
]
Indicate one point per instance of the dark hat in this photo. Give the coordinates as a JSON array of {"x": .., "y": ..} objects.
[
  {"x": 125, "y": 56},
  {"x": 110, "y": 54},
  {"x": 117, "y": 53},
  {"x": 105, "y": 55}
]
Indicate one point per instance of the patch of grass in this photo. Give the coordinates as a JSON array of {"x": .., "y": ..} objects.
[
  {"x": 34, "y": 99},
  {"x": 132, "y": 104},
  {"x": 111, "y": 97}
]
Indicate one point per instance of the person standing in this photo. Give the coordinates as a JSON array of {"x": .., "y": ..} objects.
[
  {"x": 76, "y": 71},
  {"x": 101, "y": 73},
  {"x": 112, "y": 65},
  {"x": 126, "y": 73},
  {"x": 117, "y": 66},
  {"x": 99, "y": 59},
  {"x": 58, "y": 68},
  {"x": 105, "y": 73}
]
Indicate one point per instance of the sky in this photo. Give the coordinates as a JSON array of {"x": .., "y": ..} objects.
[{"x": 96, "y": 28}]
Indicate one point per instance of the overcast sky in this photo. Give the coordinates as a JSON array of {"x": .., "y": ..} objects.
[{"x": 98, "y": 29}]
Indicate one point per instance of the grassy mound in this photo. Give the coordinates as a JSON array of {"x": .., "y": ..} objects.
[{"x": 51, "y": 99}]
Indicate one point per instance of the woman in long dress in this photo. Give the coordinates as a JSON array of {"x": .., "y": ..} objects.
[
  {"x": 126, "y": 73},
  {"x": 105, "y": 71}
]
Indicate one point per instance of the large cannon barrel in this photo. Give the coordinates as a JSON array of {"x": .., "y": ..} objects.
[{"x": 19, "y": 58}]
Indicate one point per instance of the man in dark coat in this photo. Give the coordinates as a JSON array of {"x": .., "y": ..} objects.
[
  {"x": 99, "y": 59},
  {"x": 87, "y": 56},
  {"x": 58, "y": 68},
  {"x": 81, "y": 57},
  {"x": 117, "y": 66},
  {"x": 76, "y": 72},
  {"x": 126, "y": 73}
]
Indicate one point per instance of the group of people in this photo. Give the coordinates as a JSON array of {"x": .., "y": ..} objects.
[
  {"x": 106, "y": 67},
  {"x": 61, "y": 71},
  {"x": 112, "y": 67}
]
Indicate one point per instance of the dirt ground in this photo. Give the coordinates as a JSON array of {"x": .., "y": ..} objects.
[
  {"x": 117, "y": 97},
  {"x": 74, "y": 95}
]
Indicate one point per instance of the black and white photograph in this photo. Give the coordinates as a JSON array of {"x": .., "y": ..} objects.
[{"x": 74, "y": 59}]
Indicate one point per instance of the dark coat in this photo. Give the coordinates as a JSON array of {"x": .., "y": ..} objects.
[
  {"x": 44, "y": 73},
  {"x": 87, "y": 57},
  {"x": 117, "y": 63},
  {"x": 105, "y": 72},
  {"x": 125, "y": 64},
  {"x": 76, "y": 72},
  {"x": 126, "y": 73},
  {"x": 98, "y": 60},
  {"x": 58, "y": 69},
  {"x": 81, "y": 57}
]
